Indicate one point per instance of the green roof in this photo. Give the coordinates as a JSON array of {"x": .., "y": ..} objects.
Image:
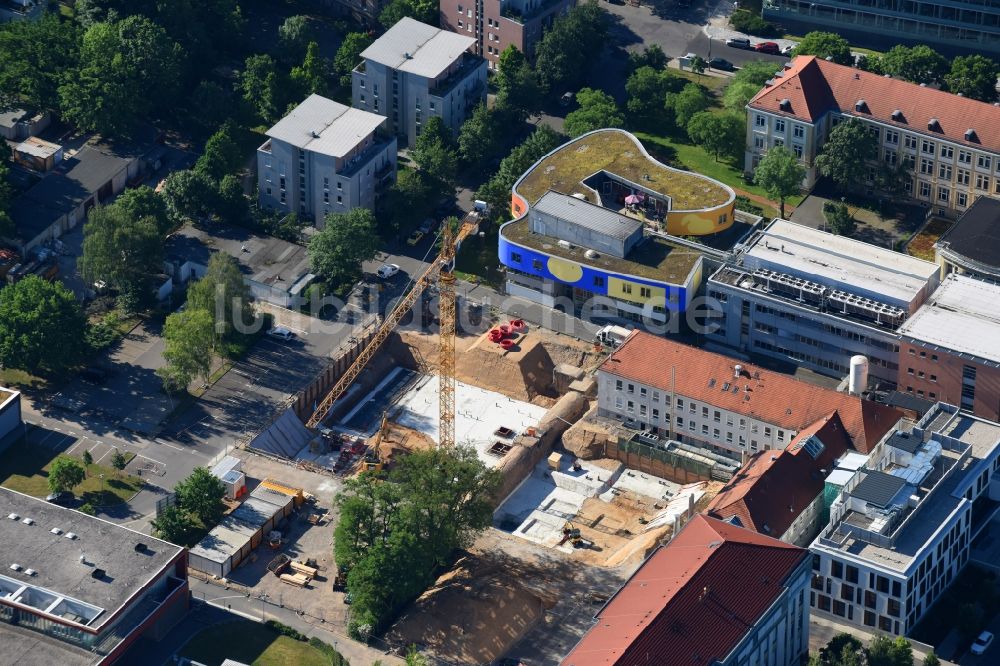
[
  {"x": 621, "y": 154},
  {"x": 654, "y": 259}
]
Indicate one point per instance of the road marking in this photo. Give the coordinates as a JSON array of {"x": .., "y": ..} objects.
[{"x": 174, "y": 446}]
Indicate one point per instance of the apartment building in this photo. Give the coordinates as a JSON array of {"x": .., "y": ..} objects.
[
  {"x": 817, "y": 299},
  {"x": 949, "y": 143},
  {"x": 950, "y": 350},
  {"x": 415, "y": 71},
  {"x": 900, "y": 528},
  {"x": 950, "y": 27},
  {"x": 715, "y": 594},
  {"x": 324, "y": 158},
  {"x": 497, "y": 24},
  {"x": 691, "y": 395},
  {"x": 972, "y": 245}
]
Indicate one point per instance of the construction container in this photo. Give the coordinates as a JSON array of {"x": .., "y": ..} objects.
[{"x": 555, "y": 461}]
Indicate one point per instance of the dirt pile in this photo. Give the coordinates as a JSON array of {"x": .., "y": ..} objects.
[{"x": 587, "y": 438}]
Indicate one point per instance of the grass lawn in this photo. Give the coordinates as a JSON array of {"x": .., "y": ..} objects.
[
  {"x": 922, "y": 245},
  {"x": 15, "y": 378},
  {"x": 251, "y": 643},
  {"x": 24, "y": 468},
  {"x": 712, "y": 83}
]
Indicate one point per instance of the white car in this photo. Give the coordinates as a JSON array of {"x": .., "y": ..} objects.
[
  {"x": 982, "y": 643},
  {"x": 787, "y": 50},
  {"x": 386, "y": 271},
  {"x": 281, "y": 332}
]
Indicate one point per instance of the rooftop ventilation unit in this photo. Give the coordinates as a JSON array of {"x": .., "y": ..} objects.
[
  {"x": 28, "y": 521},
  {"x": 70, "y": 535},
  {"x": 30, "y": 572},
  {"x": 97, "y": 573},
  {"x": 16, "y": 567},
  {"x": 13, "y": 516},
  {"x": 141, "y": 548},
  {"x": 56, "y": 531}
]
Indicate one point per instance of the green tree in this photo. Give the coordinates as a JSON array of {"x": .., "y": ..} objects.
[
  {"x": 232, "y": 205},
  {"x": 122, "y": 251},
  {"x": 571, "y": 42},
  {"x": 294, "y": 36},
  {"x": 833, "y": 654},
  {"x": 347, "y": 239},
  {"x": 433, "y": 152},
  {"x": 479, "y": 137},
  {"x": 142, "y": 202},
  {"x": 757, "y": 72},
  {"x": 189, "y": 194},
  {"x": 349, "y": 55},
  {"x": 128, "y": 70},
  {"x": 210, "y": 105},
  {"x": 7, "y": 229},
  {"x": 738, "y": 95},
  {"x": 189, "y": 343},
  {"x": 597, "y": 111},
  {"x": 722, "y": 134},
  {"x": 118, "y": 461},
  {"x": 88, "y": 458},
  {"x": 846, "y": 153},
  {"x": 311, "y": 77},
  {"x": 931, "y": 659},
  {"x": 780, "y": 174},
  {"x": 425, "y": 11},
  {"x": 839, "y": 217},
  {"x": 651, "y": 56},
  {"x": 496, "y": 191},
  {"x": 221, "y": 155},
  {"x": 885, "y": 651},
  {"x": 825, "y": 45},
  {"x": 647, "y": 88},
  {"x": 414, "y": 658},
  {"x": 41, "y": 326},
  {"x": 173, "y": 524},
  {"x": 263, "y": 86},
  {"x": 35, "y": 56},
  {"x": 201, "y": 494},
  {"x": 224, "y": 294},
  {"x": 519, "y": 89},
  {"x": 698, "y": 65},
  {"x": 690, "y": 100},
  {"x": 918, "y": 64},
  {"x": 64, "y": 474},
  {"x": 975, "y": 76}
]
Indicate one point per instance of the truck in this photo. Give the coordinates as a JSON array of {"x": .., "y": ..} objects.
[{"x": 612, "y": 336}]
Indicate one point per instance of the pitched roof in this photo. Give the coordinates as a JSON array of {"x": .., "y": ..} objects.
[
  {"x": 417, "y": 48},
  {"x": 813, "y": 87},
  {"x": 769, "y": 396},
  {"x": 693, "y": 599},
  {"x": 976, "y": 234},
  {"x": 770, "y": 491}
]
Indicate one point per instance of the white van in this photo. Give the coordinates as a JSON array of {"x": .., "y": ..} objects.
[{"x": 612, "y": 336}]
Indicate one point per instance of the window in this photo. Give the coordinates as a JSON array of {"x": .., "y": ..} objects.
[
  {"x": 961, "y": 199},
  {"x": 944, "y": 194},
  {"x": 944, "y": 171},
  {"x": 516, "y": 258},
  {"x": 536, "y": 264},
  {"x": 870, "y": 599},
  {"x": 626, "y": 288},
  {"x": 760, "y": 121},
  {"x": 656, "y": 414},
  {"x": 963, "y": 176},
  {"x": 704, "y": 430},
  {"x": 890, "y": 156},
  {"x": 779, "y": 125},
  {"x": 778, "y": 142},
  {"x": 852, "y": 574},
  {"x": 911, "y": 142},
  {"x": 925, "y": 189},
  {"x": 984, "y": 162},
  {"x": 758, "y": 142},
  {"x": 798, "y": 131},
  {"x": 645, "y": 292},
  {"x": 982, "y": 182},
  {"x": 926, "y": 166},
  {"x": 642, "y": 391},
  {"x": 340, "y": 199},
  {"x": 927, "y": 147},
  {"x": 598, "y": 281},
  {"x": 837, "y": 569},
  {"x": 891, "y": 137},
  {"x": 964, "y": 157},
  {"x": 947, "y": 152},
  {"x": 363, "y": 99},
  {"x": 797, "y": 149}
]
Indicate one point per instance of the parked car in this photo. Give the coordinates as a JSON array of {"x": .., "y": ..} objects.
[
  {"x": 62, "y": 498},
  {"x": 767, "y": 47},
  {"x": 415, "y": 237},
  {"x": 428, "y": 226},
  {"x": 787, "y": 50},
  {"x": 721, "y": 64},
  {"x": 982, "y": 644},
  {"x": 386, "y": 271},
  {"x": 281, "y": 332},
  {"x": 739, "y": 43},
  {"x": 566, "y": 99}
]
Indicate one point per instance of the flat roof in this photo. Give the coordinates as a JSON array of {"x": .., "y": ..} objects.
[
  {"x": 655, "y": 258},
  {"x": 323, "y": 126},
  {"x": 56, "y": 558},
  {"x": 621, "y": 154},
  {"x": 961, "y": 316},
  {"x": 591, "y": 216},
  {"x": 38, "y": 147},
  {"x": 839, "y": 261},
  {"x": 25, "y": 647},
  {"x": 417, "y": 48},
  {"x": 878, "y": 488},
  {"x": 267, "y": 260},
  {"x": 225, "y": 539},
  {"x": 980, "y": 434},
  {"x": 976, "y": 234}
]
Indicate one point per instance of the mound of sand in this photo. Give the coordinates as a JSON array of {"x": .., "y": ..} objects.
[{"x": 473, "y": 614}]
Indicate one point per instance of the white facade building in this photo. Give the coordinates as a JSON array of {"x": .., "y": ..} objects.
[
  {"x": 323, "y": 158},
  {"x": 415, "y": 71}
]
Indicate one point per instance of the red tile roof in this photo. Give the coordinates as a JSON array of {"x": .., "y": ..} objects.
[
  {"x": 693, "y": 600},
  {"x": 770, "y": 491},
  {"x": 815, "y": 86},
  {"x": 771, "y": 397}
]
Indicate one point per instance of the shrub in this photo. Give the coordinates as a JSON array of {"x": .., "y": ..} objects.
[
  {"x": 752, "y": 24},
  {"x": 336, "y": 659},
  {"x": 744, "y": 204},
  {"x": 285, "y": 630}
]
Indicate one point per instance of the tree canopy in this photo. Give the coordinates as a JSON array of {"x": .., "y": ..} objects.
[
  {"x": 189, "y": 342},
  {"x": 918, "y": 64},
  {"x": 122, "y": 251},
  {"x": 34, "y": 58},
  {"x": 294, "y": 35},
  {"x": 434, "y": 153},
  {"x": 846, "y": 153},
  {"x": 263, "y": 86},
  {"x": 142, "y": 202},
  {"x": 223, "y": 293},
  {"x": 41, "y": 326},
  {"x": 173, "y": 524},
  {"x": 572, "y": 40},
  {"x": 347, "y": 239},
  {"x": 685, "y": 104},
  {"x": 189, "y": 194},
  {"x": 349, "y": 55},
  {"x": 311, "y": 77},
  {"x": 496, "y": 191},
  {"x": 722, "y": 134},
  {"x": 647, "y": 89},
  {"x": 64, "y": 474},
  {"x": 201, "y": 494},
  {"x": 826, "y": 45},
  {"x": 425, "y": 11},
  {"x": 974, "y": 76},
  {"x": 519, "y": 89},
  {"x": 597, "y": 111},
  {"x": 780, "y": 174},
  {"x": 480, "y": 136}
]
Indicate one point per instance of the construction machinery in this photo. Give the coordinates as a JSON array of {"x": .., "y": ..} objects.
[
  {"x": 373, "y": 458},
  {"x": 439, "y": 272}
]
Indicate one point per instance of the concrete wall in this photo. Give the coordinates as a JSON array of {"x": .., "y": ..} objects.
[
  {"x": 307, "y": 398},
  {"x": 567, "y": 230},
  {"x": 652, "y": 466},
  {"x": 10, "y": 414}
]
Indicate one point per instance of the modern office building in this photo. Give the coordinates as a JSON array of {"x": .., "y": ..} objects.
[
  {"x": 949, "y": 27},
  {"x": 972, "y": 245},
  {"x": 950, "y": 350},
  {"x": 900, "y": 527},
  {"x": 415, "y": 71},
  {"x": 78, "y": 590},
  {"x": 780, "y": 493},
  {"x": 323, "y": 158},
  {"x": 592, "y": 224},
  {"x": 715, "y": 594},
  {"x": 497, "y": 24},
  {"x": 817, "y": 299},
  {"x": 949, "y": 142},
  {"x": 685, "y": 393}
]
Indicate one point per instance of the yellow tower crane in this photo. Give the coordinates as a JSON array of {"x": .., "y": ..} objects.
[{"x": 440, "y": 271}]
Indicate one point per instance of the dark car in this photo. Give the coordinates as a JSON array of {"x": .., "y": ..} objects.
[
  {"x": 738, "y": 43},
  {"x": 63, "y": 498},
  {"x": 721, "y": 64},
  {"x": 767, "y": 47}
]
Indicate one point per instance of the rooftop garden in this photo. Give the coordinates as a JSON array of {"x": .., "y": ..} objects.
[
  {"x": 617, "y": 153},
  {"x": 921, "y": 246}
]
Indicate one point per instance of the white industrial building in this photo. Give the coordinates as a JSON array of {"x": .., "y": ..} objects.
[
  {"x": 817, "y": 299},
  {"x": 323, "y": 158},
  {"x": 901, "y": 524},
  {"x": 415, "y": 71}
]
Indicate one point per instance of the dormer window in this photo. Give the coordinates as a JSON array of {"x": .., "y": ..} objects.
[
  {"x": 861, "y": 106},
  {"x": 933, "y": 125},
  {"x": 898, "y": 116}
]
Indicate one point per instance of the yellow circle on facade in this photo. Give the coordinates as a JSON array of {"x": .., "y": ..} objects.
[{"x": 565, "y": 271}]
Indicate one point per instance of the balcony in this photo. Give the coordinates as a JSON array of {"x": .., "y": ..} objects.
[
  {"x": 515, "y": 14},
  {"x": 445, "y": 86}
]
